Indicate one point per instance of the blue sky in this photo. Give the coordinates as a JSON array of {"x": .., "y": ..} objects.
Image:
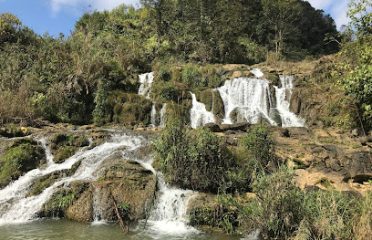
[{"x": 56, "y": 16}]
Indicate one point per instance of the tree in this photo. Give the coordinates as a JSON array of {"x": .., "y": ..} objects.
[
  {"x": 280, "y": 16},
  {"x": 360, "y": 13}
]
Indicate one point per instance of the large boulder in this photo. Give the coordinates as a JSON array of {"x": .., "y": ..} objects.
[{"x": 130, "y": 185}]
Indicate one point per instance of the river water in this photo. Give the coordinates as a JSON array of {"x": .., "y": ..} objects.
[{"x": 67, "y": 230}]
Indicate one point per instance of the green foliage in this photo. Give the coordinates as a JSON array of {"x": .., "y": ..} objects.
[
  {"x": 357, "y": 75},
  {"x": 280, "y": 211},
  {"x": 330, "y": 214},
  {"x": 254, "y": 52},
  {"x": 222, "y": 215},
  {"x": 21, "y": 157},
  {"x": 192, "y": 159},
  {"x": 125, "y": 210},
  {"x": 361, "y": 16},
  {"x": 191, "y": 76},
  {"x": 69, "y": 79},
  {"x": 128, "y": 108},
  {"x": 260, "y": 145}
]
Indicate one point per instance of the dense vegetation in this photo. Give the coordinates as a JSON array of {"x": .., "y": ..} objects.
[
  {"x": 72, "y": 79},
  {"x": 199, "y": 160}
]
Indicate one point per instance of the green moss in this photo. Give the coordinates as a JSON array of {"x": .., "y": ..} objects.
[
  {"x": 42, "y": 183},
  {"x": 222, "y": 214},
  {"x": 273, "y": 78},
  {"x": 63, "y": 198},
  {"x": 130, "y": 109},
  {"x": 64, "y": 152},
  {"x": 22, "y": 157},
  {"x": 213, "y": 102},
  {"x": 65, "y": 145},
  {"x": 191, "y": 76}
]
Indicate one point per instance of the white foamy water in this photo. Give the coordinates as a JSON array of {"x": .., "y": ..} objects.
[
  {"x": 257, "y": 72},
  {"x": 163, "y": 111},
  {"x": 169, "y": 216},
  {"x": 283, "y": 96},
  {"x": 249, "y": 97},
  {"x": 146, "y": 81},
  {"x": 15, "y": 207},
  {"x": 153, "y": 115},
  {"x": 199, "y": 115}
]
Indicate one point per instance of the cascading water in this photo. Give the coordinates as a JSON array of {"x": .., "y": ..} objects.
[
  {"x": 199, "y": 115},
  {"x": 249, "y": 98},
  {"x": 153, "y": 115},
  {"x": 15, "y": 207},
  {"x": 146, "y": 81},
  {"x": 167, "y": 218},
  {"x": 169, "y": 215},
  {"x": 163, "y": 111},
  {"x": 257, "y": 72},
  {"x": 283, "y": 95}
]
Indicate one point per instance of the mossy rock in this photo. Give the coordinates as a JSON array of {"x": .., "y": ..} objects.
[
  {"x": 169, "y": 91},
  {"x": 39, "y": 185},
  {"x": 64, "y": 145},
  {"x": 213, "y": 102},
  {"x": 62, "y": 153},
  {"x": 130, "y": 109},
  {"x": 181, "y": 111},
  {"x": 274, "y": 79},
  {"x": 23, "y": 156},
  {"x": 11, "y": 131},
  {"x": 210, "y": 211},
  {"x": 62, "y": 199}
]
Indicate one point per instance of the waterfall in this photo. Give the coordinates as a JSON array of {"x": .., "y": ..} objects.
[
  {"x": 163, "y": 111},
  {"x": 199, "y": 115},
  {"x": 98, "y": 216},
  {"x": 283, "y": 96},
  {"x": 249, "y": 98},
  {"x": 15, "y": 207},
  {"x": 153, "y": 115},
  {"x": 146, "y": 81},
  {"x": 169, "y": 215},
  {"x": 257, "y": 72}
]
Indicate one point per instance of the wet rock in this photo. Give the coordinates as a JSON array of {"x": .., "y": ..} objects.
[
  {"x": 126, "y": 182},
  {"x": 235, "y": 127},
  {"x": 129, "y": 184},
  {"x": 285, "y": 133},
  {"x": 66, "y": 197},
  {"x": 298, "y": 132},
  {"x": 82, "y": 209},
  {"x": 213, "y": 127},
  {"x": 295, "y": 102}
]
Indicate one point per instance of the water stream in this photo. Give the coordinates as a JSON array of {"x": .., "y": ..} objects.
[{"x": 199, "y": 115}]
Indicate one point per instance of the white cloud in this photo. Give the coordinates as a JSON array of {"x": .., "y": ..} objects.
[
  {"x": 336, "y": 8},
  {"x": 100, "y": 5}
]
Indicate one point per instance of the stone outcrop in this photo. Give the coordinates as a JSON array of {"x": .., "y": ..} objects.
[{"x": 130, "y": 185}]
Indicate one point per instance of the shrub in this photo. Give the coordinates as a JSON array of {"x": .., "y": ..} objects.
[
  {"x": 329, "y": 214},
  {"x": 191, "y": 76},
  {"x": 260, "y": 146},
  {"x": 192, "y": 159},
  {"x": 280, "y": 208}
]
